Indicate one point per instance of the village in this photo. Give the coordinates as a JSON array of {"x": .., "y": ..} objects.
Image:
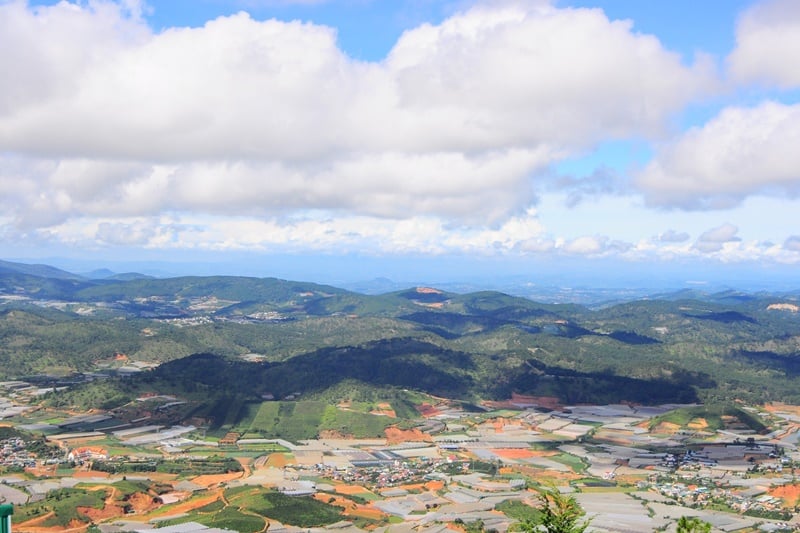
[{"x": 626, "y": 474}]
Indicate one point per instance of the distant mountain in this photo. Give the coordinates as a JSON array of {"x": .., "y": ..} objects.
[
  {"x": 101, "y": 273},
  {"x": 42, "y": 271},
  {"x": 312, "y": 338}
]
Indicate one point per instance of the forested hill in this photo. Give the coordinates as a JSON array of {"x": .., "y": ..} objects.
[{"x": 307, "y": 337}]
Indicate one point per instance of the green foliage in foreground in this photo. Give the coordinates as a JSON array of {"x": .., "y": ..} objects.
[
  {"x": 558, "y": 513},
  {"x": 692, "y": 525}
]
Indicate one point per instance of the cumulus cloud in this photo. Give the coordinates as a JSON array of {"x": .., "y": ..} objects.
[
  {"x": 319, "y": 233},
  {"x": 715, "y": 239},
  {"x": 603, "y": 181},
  {"x": 792, "y": 244},
  {"x": 740, "y": 152},
  {"x": 768, "y": 44},
  {"x": 103, "y": 116},
  {"x": 673, "y": 236}
]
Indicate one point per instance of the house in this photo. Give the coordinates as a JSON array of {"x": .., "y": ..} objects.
[{"x": 87, "y": 453}]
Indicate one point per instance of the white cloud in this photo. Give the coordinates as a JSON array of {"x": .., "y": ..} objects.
[
  {"x": 715, "y": 239},
  {"x": 740, "y": 152},
  {"x": 104, "y": 116},
  {"x": 768, "y": 44},
  {"x": 673, "y": 236},
  {"x": 792, "y": 244},
  {"x": 585, "y": 245},
  {"x": 318, "y": 233}
]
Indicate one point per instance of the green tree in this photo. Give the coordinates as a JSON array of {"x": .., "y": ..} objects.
[
  {"x": 692, "y": 525},
  {"x": 558, "y": 513}
]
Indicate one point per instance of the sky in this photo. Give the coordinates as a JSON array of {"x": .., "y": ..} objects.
[{"x": 345, "y": 139}]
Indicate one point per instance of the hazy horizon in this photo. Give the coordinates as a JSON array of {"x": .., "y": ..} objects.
[{"x": 449, "y": 273}]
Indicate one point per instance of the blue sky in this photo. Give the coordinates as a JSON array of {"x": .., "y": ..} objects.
[{"x": 328, "y": 136}]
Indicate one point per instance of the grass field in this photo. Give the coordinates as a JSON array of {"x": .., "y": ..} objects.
[
  {"x": 63, "y": 504},
  {"x": 575, "y": 463},
  {"x": 246, "y": 509},
  {"x": 300, "y": 420}
]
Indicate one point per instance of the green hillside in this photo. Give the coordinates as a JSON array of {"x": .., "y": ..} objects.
[{"x": 311, "y": 338}]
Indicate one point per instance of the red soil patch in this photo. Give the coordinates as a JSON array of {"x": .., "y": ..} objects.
[
  {"x": 109, "y": 511},
  {"x": 666, "y": 427},
  {"x": 427, "y": 410},
  {"x": 516, "y": 453},
  {"x": 191, "y": 504},
  {"x": 396, "y": 436},
  {"x": 208, "y": 480},
  {"x": 430, "y": 486},
  {"x": 90, "y": 473},
  {"x": 790, "y": 494},
  {"x": 434, "y": 485},
  {"x": 428, "y": 290},
  {"x": 351, "y": 508},
  {"x": 380, "y": 411},
  {"x": 697, "y": 423},
  {"x": 276, "y": 460},
  {"x": 782, "y": 407},
  {"x": 351, "y": 489}
]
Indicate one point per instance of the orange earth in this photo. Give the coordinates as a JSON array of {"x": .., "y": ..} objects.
[
  {"x": 666, "y": 427},
  {"x": 191, "y": 504},
  {"x": 522, "y": 453},
  {"x": 276, "y": 460},
  {"x": 139, "y": 503},
  {"x": 351, "y": 489},
  {"x": 396, "y": 435},
  {"x": 90, "y": 473},
  {"x": 782, "y": 407},
  {"x": 697, "y": 423},
  {"x": 208, "y": 480},
  {"x": 384, "y": 409},
  {"x": 428, "y": 485},
  {"x": 427, "y": 410},
  {"x": 351, "y": 508},
  {"x": 790, "y": 494}
]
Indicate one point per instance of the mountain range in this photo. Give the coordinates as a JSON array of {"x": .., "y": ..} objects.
[{"x": 266, "y": 336}]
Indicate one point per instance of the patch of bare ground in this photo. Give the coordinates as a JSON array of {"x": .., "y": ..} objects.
[
  {"x": 210, "y": 480},
  {"x": 189, "y": 505},
  {"x": 667, "y": 428},
  {"x": 395, "y": 435},
  {"x": 333, "y": 434},
  {"x": 697, "y": 423},
  {"x": 384, "y": 409},
  {"x": 546, "y": 476},
  {"x": 790, "y": 494},
  {"x": 779, "y": 407},
  {"x": 276, "y": 460},
  {"x": 522, "y": 453},
  {"x": 352, "y": 508}
]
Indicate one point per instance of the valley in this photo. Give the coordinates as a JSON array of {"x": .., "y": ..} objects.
[{"x": 250, "y": 404}]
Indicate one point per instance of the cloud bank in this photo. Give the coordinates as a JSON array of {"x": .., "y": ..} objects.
[
  {"x": 261, "y": 117},
  {"x": 257, "y": 134}
]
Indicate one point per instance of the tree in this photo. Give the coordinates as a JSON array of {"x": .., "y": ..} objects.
[
  {"x": 558, "y": 513},
  {"x": 692, "y": 525}
]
